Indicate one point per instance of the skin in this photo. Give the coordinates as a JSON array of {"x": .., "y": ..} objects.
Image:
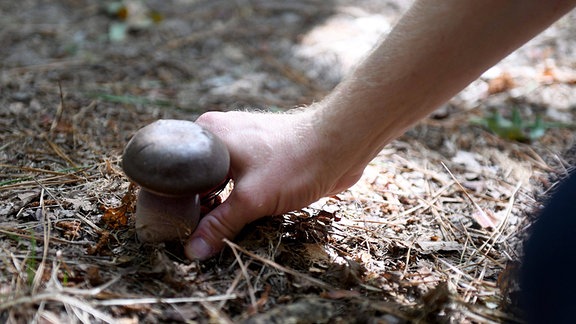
[{"x": 283, "y": 162}]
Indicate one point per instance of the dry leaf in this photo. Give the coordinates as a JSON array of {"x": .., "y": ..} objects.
[
  {"x": 71, "y": 229},
  {"x": 501, "y": 83},
  {"x": 102, "y": 243},
  {"x": 116, "y": 217}
]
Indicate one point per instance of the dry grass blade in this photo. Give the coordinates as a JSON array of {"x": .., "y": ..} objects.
[
  {"x": 215, "y": 314},
  {"x": 57, "y": 180},
  {"x": 55, "y": 239},
  {"x": 482, "y": 217},
  {"x": 246, "y": 278},
  {"x": 60, "y": 298},
  {"x": 36, "y": 170},
  {"x": 155, "y": 300},
  {"x": 407, "y": 262},
  {"x": 460, "y": 272},
  {"x": 273, "y": 264},
  {"x": 59, "y": 151},
  {"x": 27, "y": 180},
  {"x": 197, "y": 36},
  {"x": 46, "y": 230},
  {"x": 499, "y": 230},
  {"x": 87, "y": 292}
]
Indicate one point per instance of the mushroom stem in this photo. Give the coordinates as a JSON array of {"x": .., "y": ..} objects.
[{"x": 165, "y": 218}]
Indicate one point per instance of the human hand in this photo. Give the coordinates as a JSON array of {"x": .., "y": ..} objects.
[{"x": 279, "y": 163}]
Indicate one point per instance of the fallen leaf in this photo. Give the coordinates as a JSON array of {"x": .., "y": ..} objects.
[
  {"x": 116, "y": 217},
  {"x": 501, "y": 83},
  {"x": 99, "y": 247},
  {"x": 71, "y": 229}
]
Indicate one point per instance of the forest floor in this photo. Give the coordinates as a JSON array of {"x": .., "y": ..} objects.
[{"x": 407, "y": 243}]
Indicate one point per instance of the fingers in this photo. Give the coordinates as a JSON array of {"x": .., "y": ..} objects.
[
  {"x": 228, "y": 219},
  {"x": 207, "y": 239},
  {"x": 260, "y": 151},
  {"x": 225, "y": 221},
  {"x": 213, "y": 121}
]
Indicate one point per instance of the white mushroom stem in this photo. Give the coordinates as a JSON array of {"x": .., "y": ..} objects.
[{"x": 164, "y": 218}]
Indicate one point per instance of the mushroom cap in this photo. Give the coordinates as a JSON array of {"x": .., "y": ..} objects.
[{"x": 176, "y": 158}]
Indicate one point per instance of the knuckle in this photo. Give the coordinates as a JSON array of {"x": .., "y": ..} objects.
[
  {"x": 215, "y": 227},
  {"x": 222, "y": 227}
]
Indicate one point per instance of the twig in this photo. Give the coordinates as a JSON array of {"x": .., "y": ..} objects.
[
  {"x": 247, "y": 278},
  {"x": 230, "y": 289}
]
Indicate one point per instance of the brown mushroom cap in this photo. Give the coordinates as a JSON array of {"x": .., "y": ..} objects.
[{"x": 176, "y": 158}]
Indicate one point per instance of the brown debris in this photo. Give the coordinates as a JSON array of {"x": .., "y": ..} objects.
[{"x": 118, "y": 217}]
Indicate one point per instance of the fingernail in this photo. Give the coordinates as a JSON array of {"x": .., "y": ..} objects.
[{"x": 198, "y": 249}]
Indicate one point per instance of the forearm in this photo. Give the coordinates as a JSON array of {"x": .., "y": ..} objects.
[{"x": 436, "y": 50}]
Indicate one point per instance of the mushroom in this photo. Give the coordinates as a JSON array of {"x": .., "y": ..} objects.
[{"x": 176, "y": 163}]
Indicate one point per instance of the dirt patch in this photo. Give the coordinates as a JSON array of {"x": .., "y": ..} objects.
[{"x": 410, "y": 242}]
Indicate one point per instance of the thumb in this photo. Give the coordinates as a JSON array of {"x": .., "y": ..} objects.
[{"x": 224, "y": 221}]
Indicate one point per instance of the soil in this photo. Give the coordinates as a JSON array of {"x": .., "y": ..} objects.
[{"x": 409, "y": 243}]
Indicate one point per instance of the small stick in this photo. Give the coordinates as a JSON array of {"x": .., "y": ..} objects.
[{"x": 247, "y": 278}]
